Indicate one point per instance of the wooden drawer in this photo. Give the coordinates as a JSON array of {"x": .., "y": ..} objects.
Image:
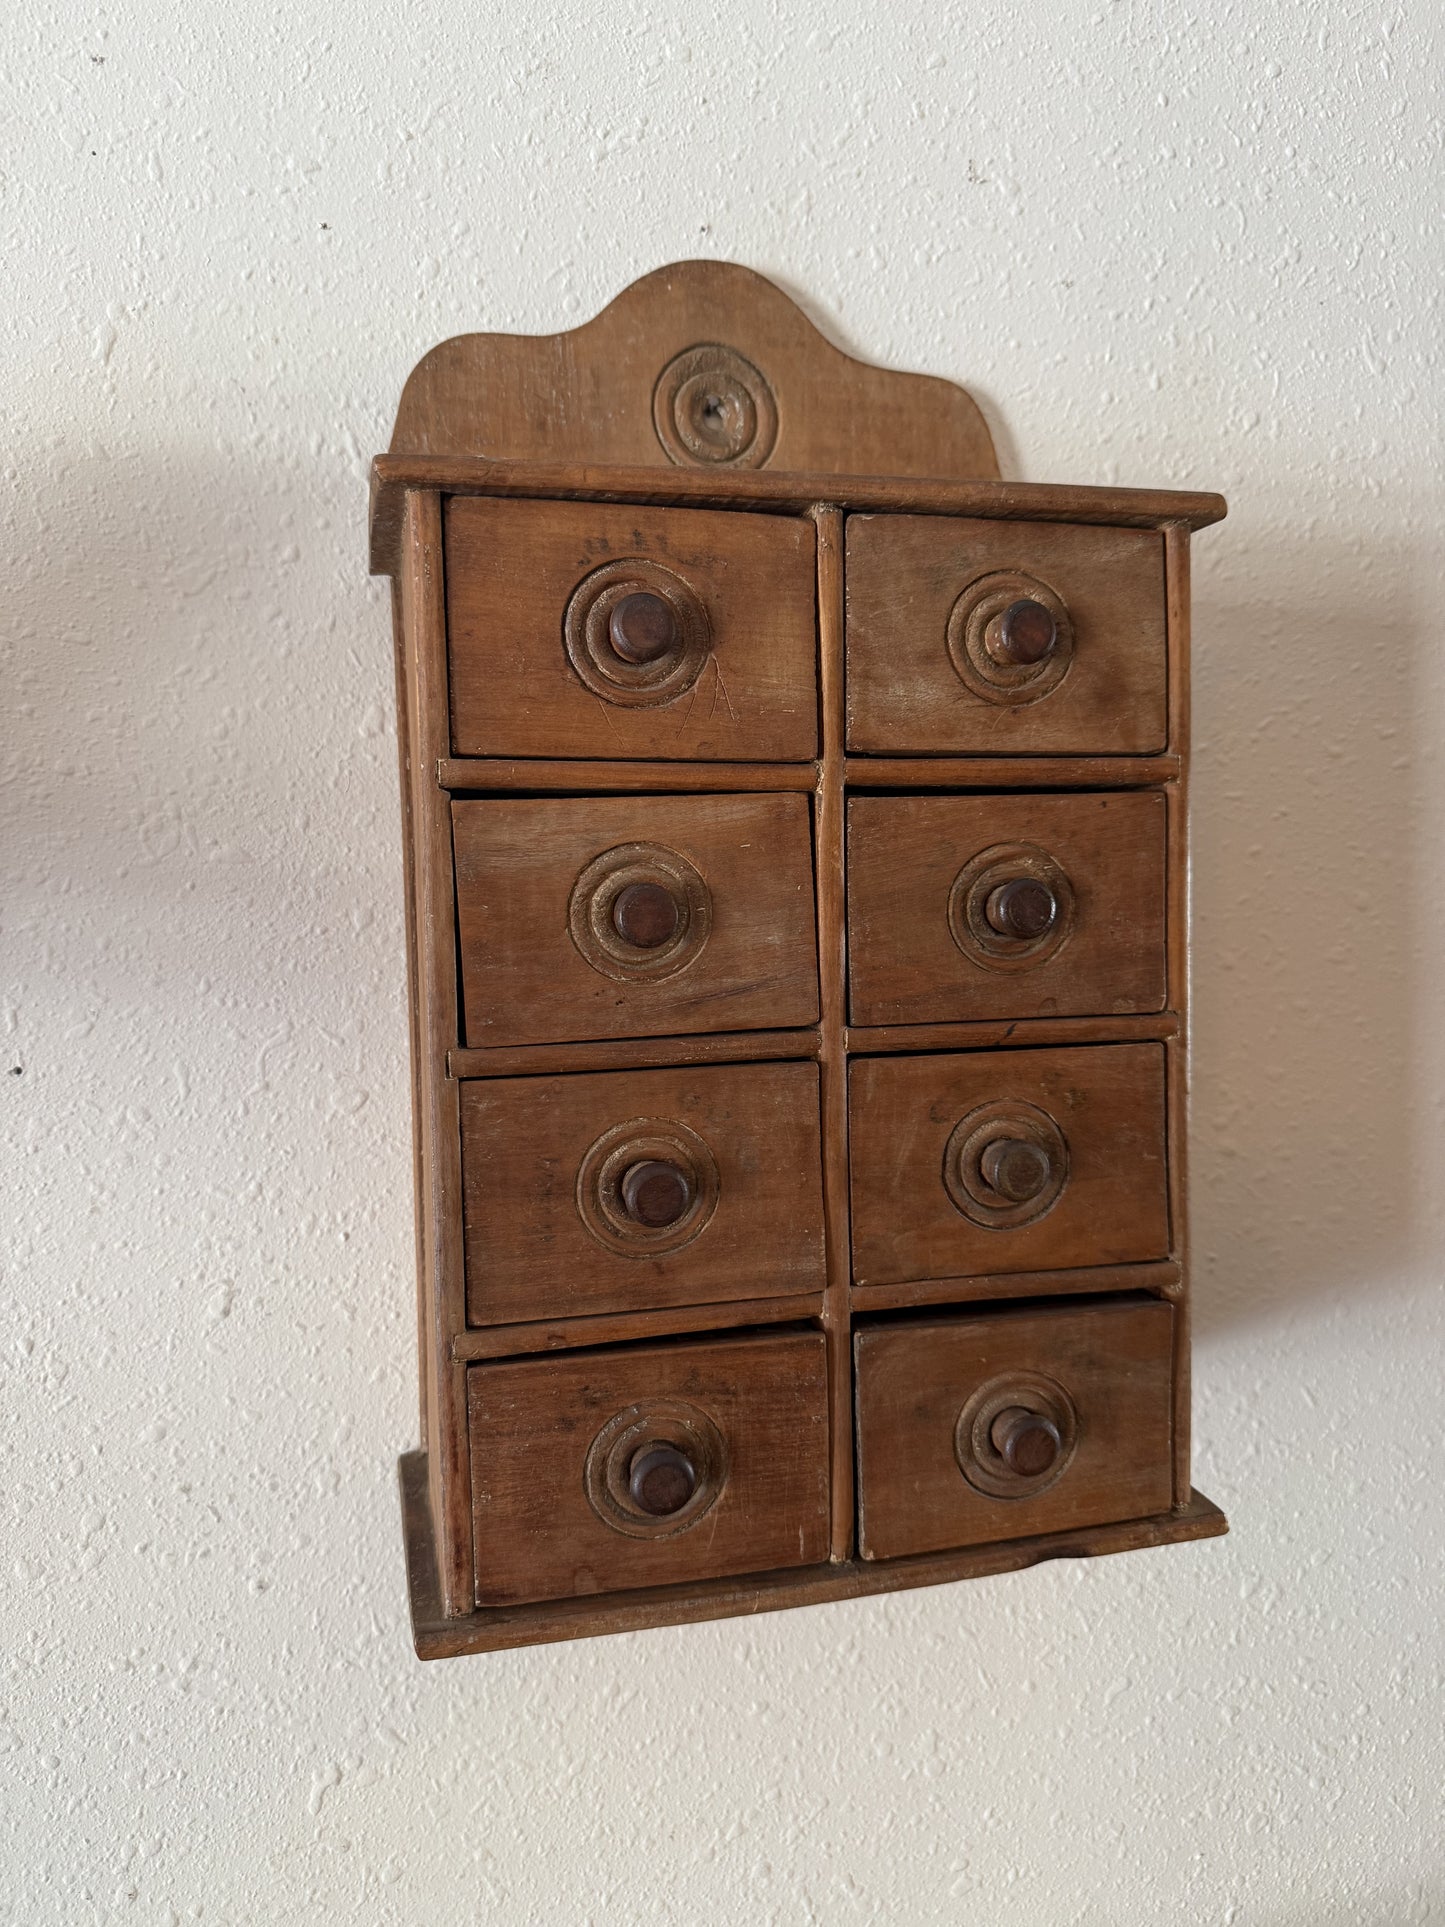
[
  {"x": 561, "y": 1480},
  {"x": 1015, "y": 1160},
  {"x": 717, "y": 663},
  {"x": 966, "y": 907},
  {"x": 1006, "y": 1424},
  {"x": 634, "y": 916},
  {"x": 969, "y": 637},
  {"x": 632, "y": 1190}
]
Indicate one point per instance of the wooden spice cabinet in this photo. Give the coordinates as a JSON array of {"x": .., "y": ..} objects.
[{"x": 796, "y": 879}]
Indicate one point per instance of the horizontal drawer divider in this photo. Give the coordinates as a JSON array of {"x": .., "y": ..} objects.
[
  {"x": 1039, "y": 772},
  {"x": 609, "y": 1328},
  {"x": 485, "y": 775},
  {"x": 1163, "y": 1279},
  {"x": 890, "y": 1040},
  {"x": 636, "y": 1053}
]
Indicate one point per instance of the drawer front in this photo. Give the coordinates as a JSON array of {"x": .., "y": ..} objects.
[
  {"x": 982, "y": 1162},
  {"x": 633, "y": 1190},
  {"x": 647, "y": 1466},
  {"x": 974, "y": 1429},
  {"x": 634, "y": 916},
  {"x": 1004, "y": 638},
  {"x": 553, "y": 654},
  {"x": 965, "y": 907}
]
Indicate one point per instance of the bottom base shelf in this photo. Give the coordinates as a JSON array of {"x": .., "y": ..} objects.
[{"x": 500, "y": 1629}]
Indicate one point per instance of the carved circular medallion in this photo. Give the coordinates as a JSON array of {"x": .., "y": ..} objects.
[
  {"x": 1005, "y": 1164},
  {"x": 616, "y": 898},
  {"x": 610, "y": 1206},
  {"x": 620, "y": 1500},
  {"x": 1016, "y": 1435},
  {"x": 1010, "y": 907},
  {"x": 712, "y": 408},
  {"x": 636, "y": 656},
  {"x": 1010, "y": 638}
]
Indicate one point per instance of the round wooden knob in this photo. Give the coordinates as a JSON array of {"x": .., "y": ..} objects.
[
  {"x": 655, "y": 1193},
  {"x": 1027, "y": 1442},
  {"x": 1026, "y": 633},
  {"x": 1023, "y": 907},
  {"x": 643, "y": 627},
  {"x": 661, "y": 1480},
  {"x": 1016, "y": 1168},
  {"x": 645, "y": 915}
]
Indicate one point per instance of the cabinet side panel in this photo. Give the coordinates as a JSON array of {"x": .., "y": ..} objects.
[
  {"x": 401, "y": 654},
  {"x": 1180, "y": 1049},
  {"x": 435, "y": 938}
]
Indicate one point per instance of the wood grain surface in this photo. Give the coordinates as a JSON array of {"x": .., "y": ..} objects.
[
  {"x": 533, "y": 1421},
  {"x": 903, "y": 856},
  {"x": 914, "y": 1377},
  {"x": 422, "y": 641},
  {"x": 589, "y": 392},
  {"x": 498, "y": 1629},
  {"x": 883, "y": 492},
  {"x": 512, "y": 568},
  {"x": 1108, "y": 1102},
  {"x": 525, "y": 981},
  {"x": 904, "y": 695},
  {"x": 632, "y": 1327},
  {"x": 529, "y": 1252}
]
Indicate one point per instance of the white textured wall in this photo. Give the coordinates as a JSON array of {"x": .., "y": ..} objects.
[{"x": 1164, "y": 245}]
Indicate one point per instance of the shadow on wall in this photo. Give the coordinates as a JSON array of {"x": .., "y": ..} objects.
[
  {"x": 206, "y": 763},
  {"x": 1307, "y": 784}
]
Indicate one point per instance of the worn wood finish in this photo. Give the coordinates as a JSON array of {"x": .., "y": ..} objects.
[
  {"x": 438, "y": 1636},
  {"x": 961, "y": 773},
  {"x": 634, "y": 1053},
  {"x": 424, "y": 641},
  {"x": 1023, "y": 1032},
  {"x": 513, "y": 568},
  {"x": 538, "y": 1336},
  {"x": 904, "y": 855},
  {"x": 1177, "y": 561},
  {"x": 518, "y": 864},
  {"x": 906, "y": 574},
  {"x": 916, "y": 1377},
  {"x": 500, "y": 777},
  {"x": 629, "y": 806},
  {"x": 832, "y": 1044},
  {"x": 1107, "y": 1102},
  {"x": 1162, "y": 1279},
  {"x": 539, "y": 1242},
  {"x": 595, "y": 389},
  {"x": 392, "y": 476},
  {"x": 533, "y": 1426},
  {"x": 413, "y": 985}
]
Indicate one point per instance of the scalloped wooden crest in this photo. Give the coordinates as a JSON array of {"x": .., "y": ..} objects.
[{"x": 703, "y": 365}]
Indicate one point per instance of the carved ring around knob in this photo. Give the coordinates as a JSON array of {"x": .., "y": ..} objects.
[
  {"x": 713, "y": 409},
  {"x": 1016, "y": 1435},
  {"x": 632, "y": 655},
  {"x": 640, "y": 913},
  {"x": 608, "y": 1185},
  {"x": 1000, "y": 667},
  {"x": 986, "y": 925},
  {"x": 667, "y": 1430},
  {"x": 992, "y": 1152}
]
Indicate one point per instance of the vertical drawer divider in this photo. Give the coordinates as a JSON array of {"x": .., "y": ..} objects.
[{"x": 828, "y": 818}]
